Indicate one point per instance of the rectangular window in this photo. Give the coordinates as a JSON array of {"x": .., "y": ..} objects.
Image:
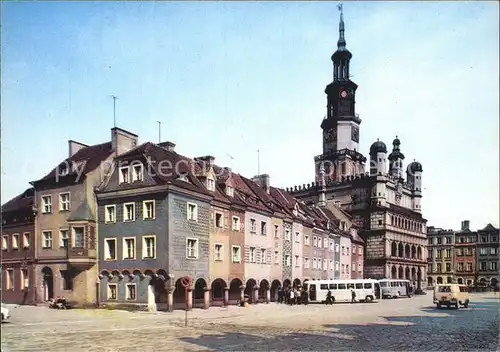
[
  {"x": 276, "y": 257},
  {"x": 191, "y": 248},
  {"x": 297, "y": 264},
  {"x": 47, "y": 239},
  {"x": 148, "y": 209},
  {"x": 148, "y": 247},
  {"x": 332, "y": 246},
  {"x": 124, "y": 175},
  {"x": 63, "y": 238},
  {"x": 306, "y": 240},
  {"x": 332, "y": 266},
  {"x": 337, "y": 266},
  {"x": 79, "y": 237},
  {"x": 112, "y": 291},
  {"x": 315, "y": 263},
  {"x": 229, "y": 191},
  {"x": 276, "y": 233},
  {"x": 353, "y": 249},
  {"x": 253, "y": 226},
  {"x": 343, "y": 250},
  {"x": 337, "y": 248},
  {"x": 110, "y": 249},
  {"x": 218, "y": 220},
  {"x": 287, "y": 235},
  {"x": 353, "y": 266},
  {"x": 287, "y": 260},
  {"x": 10, "y": 279},
  {"x": 469, "y": 266},
  {"x": 46, "y": 204},
  {"x": 25, "y": 279},
  {"x": 263, "y": 254},
  {"x": 263, "y": 228},
  {"x": 192, "y": 212},
  {"x": 252, "y": 255},
  {"x": 137, "y": 173},
  {"x": 26, "y": 240},
  {"x": 360, "y": 250},
  {"x": 236, "y": 254},
  {"x": 343, "y": 268},
  {"x": 129, "y": 248},
  {"x": 210, "y": 184},
  {"x": 64, "y": 202},
  {"x": 128, "y": 211},
  {"x": 315, "y": 241},
  {"x": 5, "y": 242},
  {"x": 297, "y": 237},
  {"x": 236, "y": 223},
  {"x": 15, "y": 241},
  {"x": 306, "y": 263},
  {"x": 109, "y": 214},
  {"x": 131, "y": 292},
  {"x": 360, "y": 267},
  {"x": 325, "y": 264},
  {"x": 325, "y": 243},
  {"x": 218, "y": 252},
  {"x": 494, "y": 266}
]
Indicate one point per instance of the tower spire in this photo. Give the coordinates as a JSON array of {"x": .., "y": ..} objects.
[{"x": 341, "y": 42}]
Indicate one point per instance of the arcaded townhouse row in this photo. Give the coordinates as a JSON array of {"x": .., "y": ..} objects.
[{"x": 122, "y": 224}]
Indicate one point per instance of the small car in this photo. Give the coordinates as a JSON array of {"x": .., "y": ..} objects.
[
  {"x": 5, "y": 312},
  {"x": 451, "y": 295}
]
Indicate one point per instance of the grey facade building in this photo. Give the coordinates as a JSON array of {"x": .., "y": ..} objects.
[
  {"x": 153, "y": 231},
  {"x": 488, "y": 256}
]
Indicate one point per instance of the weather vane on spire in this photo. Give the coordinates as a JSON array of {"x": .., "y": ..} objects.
[{"x": 340, "y": 6}]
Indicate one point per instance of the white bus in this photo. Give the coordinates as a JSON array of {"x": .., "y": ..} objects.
[
  {"x": 394, "y": 288},
  {"x": 367, "y": 290}
]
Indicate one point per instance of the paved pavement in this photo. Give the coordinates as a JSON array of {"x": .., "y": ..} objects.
[{"x": 390, "y": 325}]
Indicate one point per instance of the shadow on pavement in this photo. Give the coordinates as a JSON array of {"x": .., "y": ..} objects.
[{"x": 457, "y": 330}]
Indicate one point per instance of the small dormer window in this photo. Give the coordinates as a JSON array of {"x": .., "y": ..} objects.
[
  {"x": 63, "y": 169},
  {"x": 137, "y": 174},
  {"x": 124, "y": 174},
  {"x": 230, "y": 191},
  {"x": 210, "y": 184}
]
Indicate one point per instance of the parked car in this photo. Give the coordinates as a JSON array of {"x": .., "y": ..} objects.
[
  {"x": 5, "y": 312},
  {"x": 451, "y": 295}
]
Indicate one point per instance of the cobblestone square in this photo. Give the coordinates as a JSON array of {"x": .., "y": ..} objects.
[{"x": 401, "y": 324}]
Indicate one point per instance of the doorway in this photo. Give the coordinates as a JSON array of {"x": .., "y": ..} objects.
[{"x": 48, "y": 284}]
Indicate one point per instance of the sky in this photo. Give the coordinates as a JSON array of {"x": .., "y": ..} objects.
[{"x": 230, "y": 78}]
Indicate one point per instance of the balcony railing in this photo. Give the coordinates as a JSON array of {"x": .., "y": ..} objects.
[{"x": 82, "y": 253}]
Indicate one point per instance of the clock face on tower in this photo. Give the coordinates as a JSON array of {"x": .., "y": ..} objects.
[
  {"x": 343, "y": 94},
  {"x": 330, "y": 134}
]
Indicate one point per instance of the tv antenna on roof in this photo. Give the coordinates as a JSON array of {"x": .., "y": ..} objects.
[
  {"x": 114, "y": 109},
  {"x": 159, "y": 131}
]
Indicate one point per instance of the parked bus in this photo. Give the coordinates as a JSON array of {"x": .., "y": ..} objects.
[
  {"x": 394, "y": 288},
  {"x": 367, "y": 290}
]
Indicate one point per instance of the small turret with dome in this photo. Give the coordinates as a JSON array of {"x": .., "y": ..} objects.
[
  {"x": 378, "y": 154},
  {"x": 414, "y": 178},
  {"x": 396, "y": 159}
]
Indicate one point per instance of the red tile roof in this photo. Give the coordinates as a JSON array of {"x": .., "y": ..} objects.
[
  {"x": 91, "y": 157},
  {"x": 20, "y": 202}
]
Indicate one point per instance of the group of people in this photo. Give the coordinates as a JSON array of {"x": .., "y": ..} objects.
[{"x": 293, "y": 295}]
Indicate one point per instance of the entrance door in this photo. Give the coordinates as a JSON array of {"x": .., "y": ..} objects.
[{"x": 48, "y": 284}]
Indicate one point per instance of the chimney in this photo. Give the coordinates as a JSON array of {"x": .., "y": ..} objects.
[
  {"x": 465, "y": 225},
  {"x": 122, "y": 141},
  {"x": 168, "y": 146},
  {"x": 263, "y": 182},
  {"x": 207, "y": 159},
  {"x": 74, "y": 147}
]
